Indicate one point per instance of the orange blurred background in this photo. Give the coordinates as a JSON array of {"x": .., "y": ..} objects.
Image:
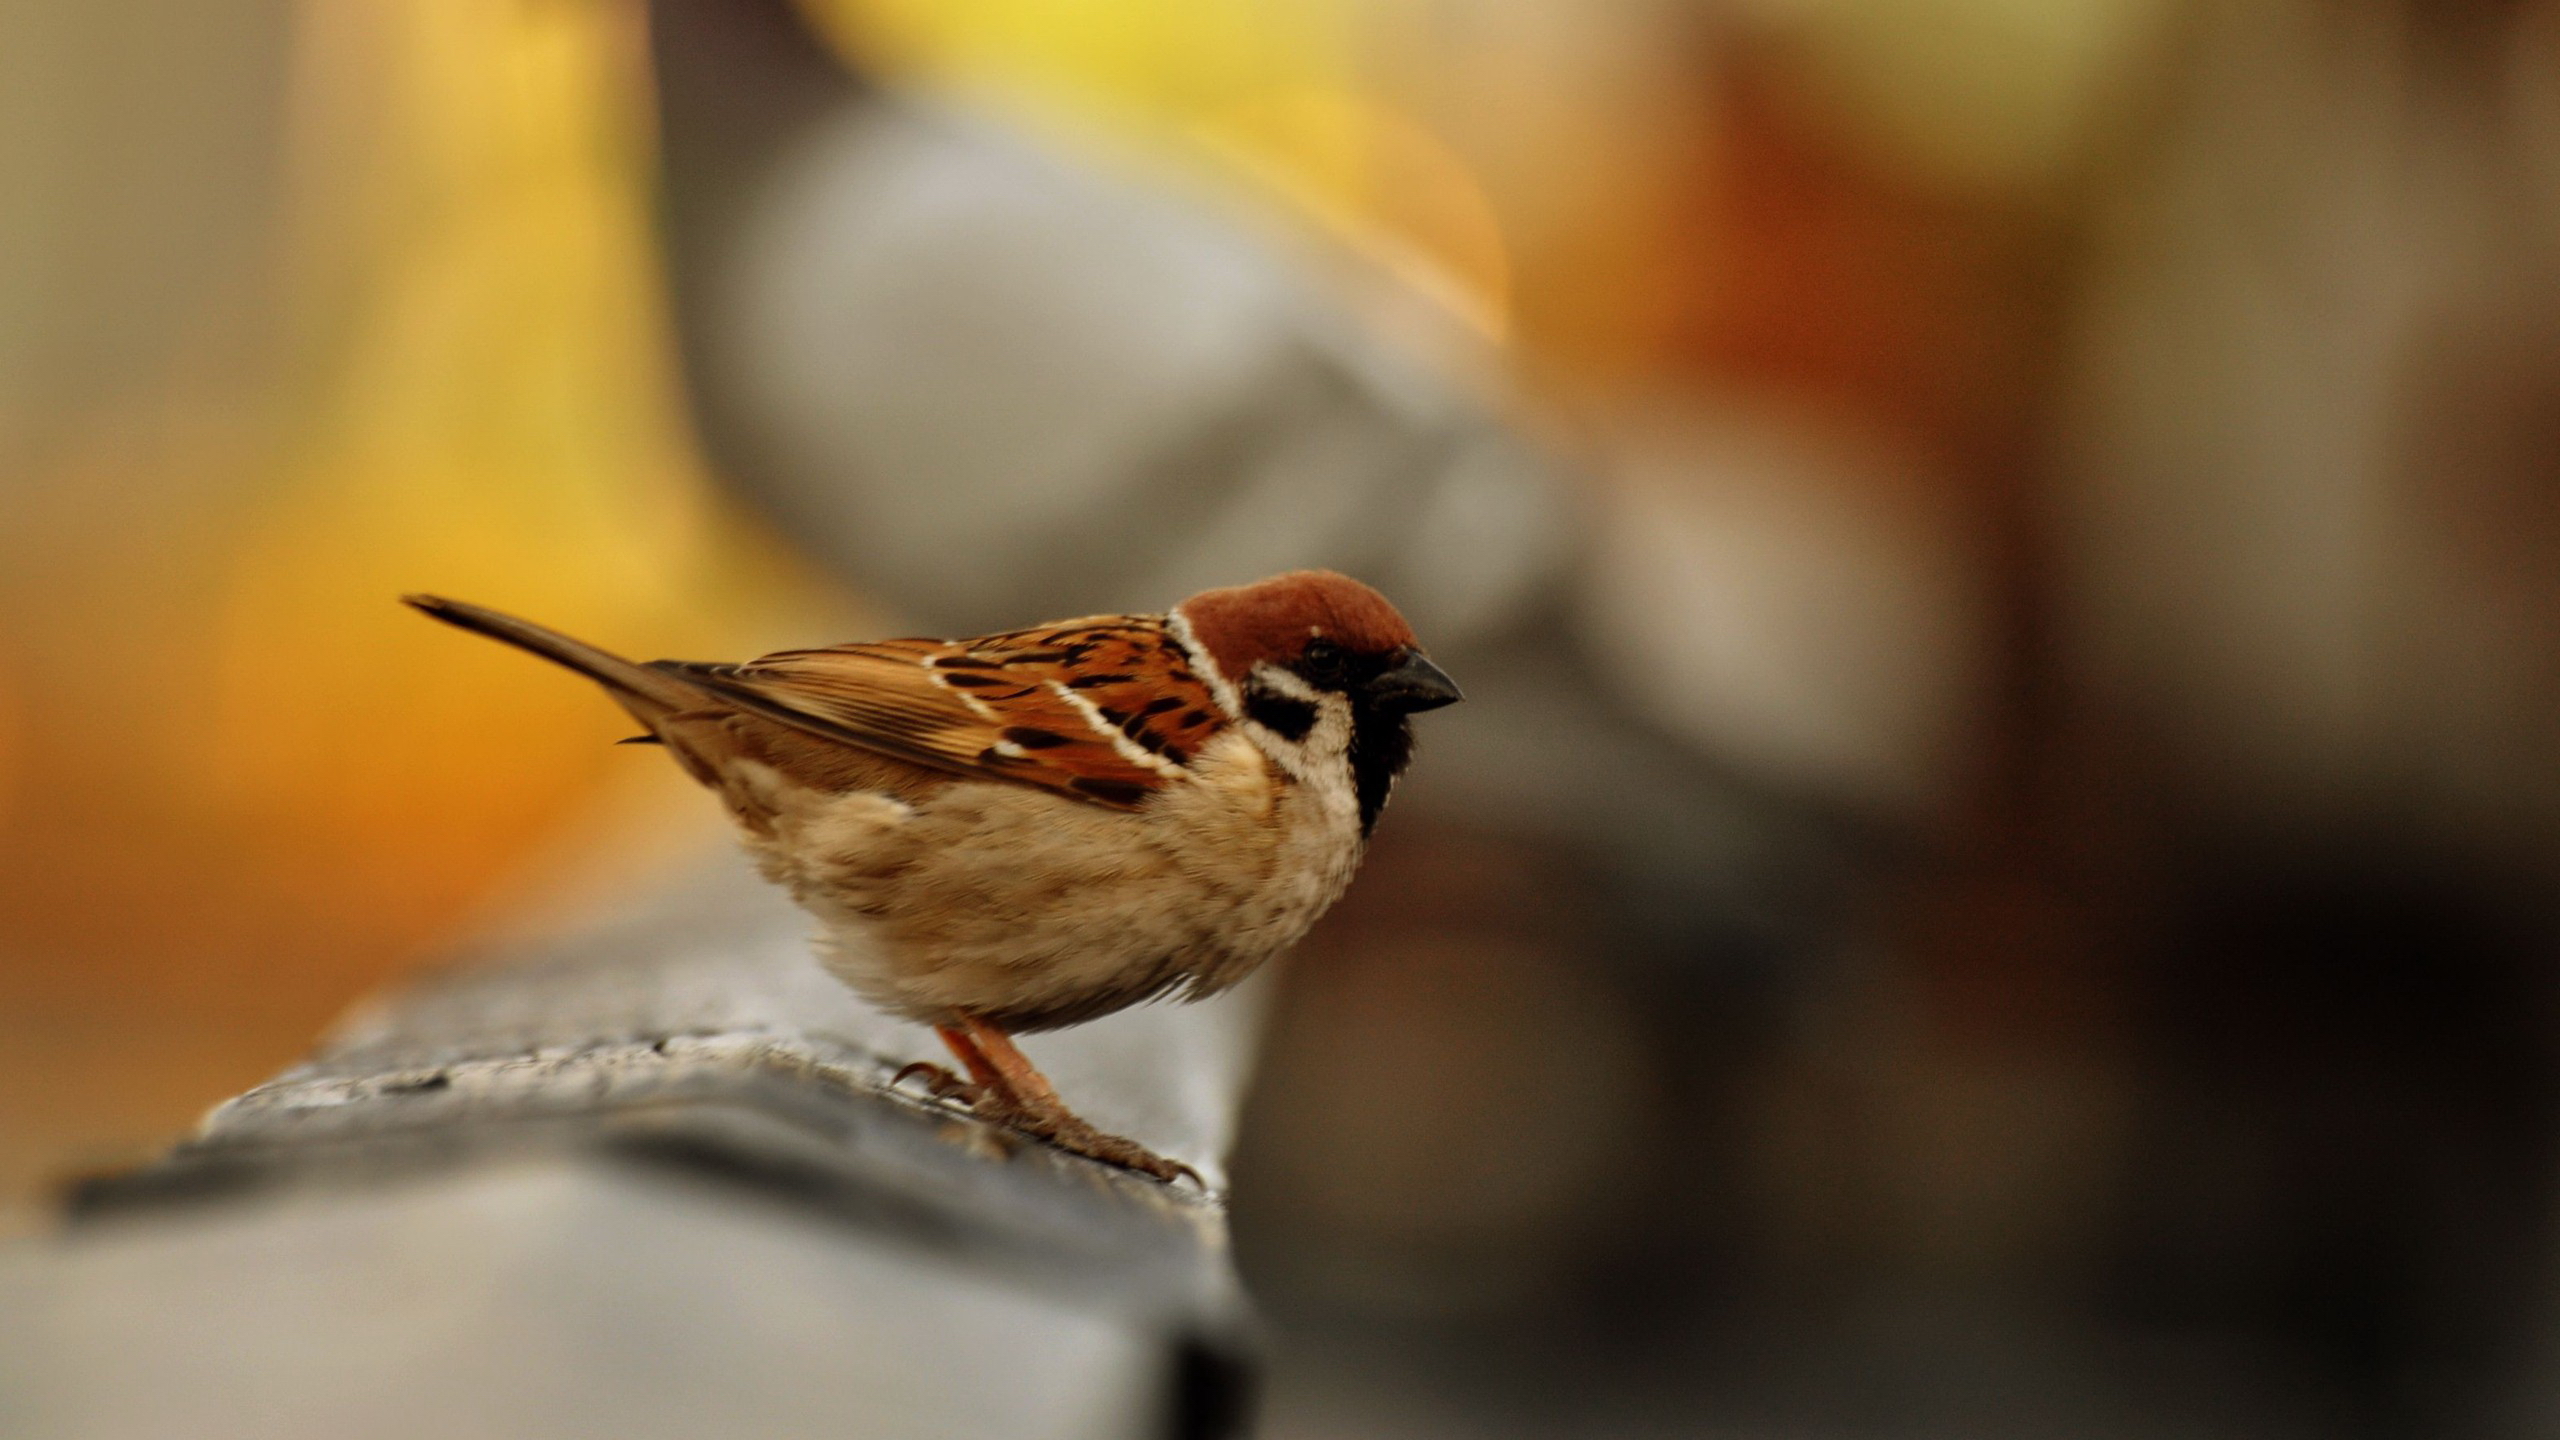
[
  {"x": 374, "y": 310},
  {"x": 2072, "y": 480},
  {"x": 334, "y": 301}
]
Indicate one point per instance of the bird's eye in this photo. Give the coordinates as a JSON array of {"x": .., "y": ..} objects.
[{"x": 1323, "y": 661}]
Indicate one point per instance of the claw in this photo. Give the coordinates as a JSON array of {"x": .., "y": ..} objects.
[
  {"x": 1077, "y": 1137},
  {"x": 1130, "y": 1155},
  {"x": 941, "y": 1082},
  {"x": 1149, "y": 1163}
]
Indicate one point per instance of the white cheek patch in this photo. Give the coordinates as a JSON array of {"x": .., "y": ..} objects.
[
  {"x": 1204, "y": 665},
  {"x": 1267, "y": 676}
]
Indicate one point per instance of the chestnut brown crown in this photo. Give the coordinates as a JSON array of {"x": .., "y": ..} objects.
[
  {"x": 1325, "y": 626},
  {"x": 1272, "y": 620}
]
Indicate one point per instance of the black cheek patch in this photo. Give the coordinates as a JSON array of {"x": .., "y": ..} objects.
[
  {"x": 1195, "y": 719},
  {"x": 1030, "y": 738},
  {"x": 1158, "y": 707},
  {"x": 1087, "y": 682},
  {"x": 1289, "y": 719}
]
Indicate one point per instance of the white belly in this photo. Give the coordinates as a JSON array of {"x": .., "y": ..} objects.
[{"x": 1036, "y": 911}]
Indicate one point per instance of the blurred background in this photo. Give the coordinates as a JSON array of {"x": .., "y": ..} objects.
[{"x": 1996, "y": 876}]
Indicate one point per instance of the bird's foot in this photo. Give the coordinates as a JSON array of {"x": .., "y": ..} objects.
[
  {"x": 1056, "y": 1125},
  {"x": 1072, "y": 1134},
  {"x": 1128, "y": 1155},
  {"x": 1021, "y": 1100},
  {"x": 940, "y": 1083}
]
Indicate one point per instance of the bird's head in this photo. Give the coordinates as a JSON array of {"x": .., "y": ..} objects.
[
  {"x": 1330, "y": 631},
  {"x": 1325, "y": 674}
]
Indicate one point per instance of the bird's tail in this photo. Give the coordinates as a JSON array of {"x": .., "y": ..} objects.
[{"x": 645, "y": 691}]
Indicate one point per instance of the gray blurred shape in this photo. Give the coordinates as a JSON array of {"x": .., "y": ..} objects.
[
  {"x": 988, "y": 383},
  {"x": 646, "y": 1178},
  {"x": 539, "y": 1299}
]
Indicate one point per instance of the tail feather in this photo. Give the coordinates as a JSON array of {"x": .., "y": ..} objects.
[{"x": 644, "y": 691}]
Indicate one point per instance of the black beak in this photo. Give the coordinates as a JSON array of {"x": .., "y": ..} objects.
[{"x": 1412, "y": 683}]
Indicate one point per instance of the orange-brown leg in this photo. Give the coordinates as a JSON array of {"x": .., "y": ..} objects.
[
  {"x": 984, "y": 1081},
  {"x": 1034, "y": 1105},
  {"x": 1012, "y": 1068},
  {"x": 981, "y": 1068}
]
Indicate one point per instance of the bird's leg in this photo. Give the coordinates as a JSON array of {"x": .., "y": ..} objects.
[
  {"x": 1033, "y": 1106},
  {"x": 983, "y": 1082}
]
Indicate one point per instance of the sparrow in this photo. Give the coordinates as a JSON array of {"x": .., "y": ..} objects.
[{"x": 1024, "y": 831}]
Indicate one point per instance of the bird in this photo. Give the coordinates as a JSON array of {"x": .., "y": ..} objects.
[{"x": 1017, "y": 832}]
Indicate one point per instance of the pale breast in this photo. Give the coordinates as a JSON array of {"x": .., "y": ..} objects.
[{"x": 1037, "y": 911}]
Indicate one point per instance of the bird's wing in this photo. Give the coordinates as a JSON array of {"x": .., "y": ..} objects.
[{"x": 1105, "y": 710}]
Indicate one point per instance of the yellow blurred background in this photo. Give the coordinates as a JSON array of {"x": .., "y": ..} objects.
[
  {"x": 239, "y": 787},
  {"x": 244, "y": 785},
  {"x": 2069, "y": 478}
]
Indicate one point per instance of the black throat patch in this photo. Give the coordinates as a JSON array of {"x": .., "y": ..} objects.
[{"x": 1381, "y": 746}]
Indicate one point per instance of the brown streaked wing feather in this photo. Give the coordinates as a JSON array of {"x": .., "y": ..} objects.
[{"x": 992, "y": 707}]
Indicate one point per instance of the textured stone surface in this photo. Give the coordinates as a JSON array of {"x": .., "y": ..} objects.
[
  {"x": 710, "y": 985},
  {"x": 645, "y": 1178},
  {"x": 539, "y": 1298}
]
